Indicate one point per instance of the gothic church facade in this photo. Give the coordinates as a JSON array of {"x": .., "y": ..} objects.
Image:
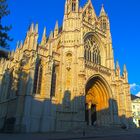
[{"x": 68, "y": 80}]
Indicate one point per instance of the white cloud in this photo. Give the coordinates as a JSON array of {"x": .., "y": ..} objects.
[
  {"x": 135, "y": 89},
  {"x": 138, "y": 94},
  {"x": 134, "y": 86}
]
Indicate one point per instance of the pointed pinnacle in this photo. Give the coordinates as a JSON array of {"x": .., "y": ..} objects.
[
  {"x": 44, "y": 32},
  {"x": 17, "y": 46},
  {"x": 36, "y": 28},
  {"x": 21, "y": 44},
  {"x": 2, "y": 60},
  {"x": 124, "y": 68},
  {"x": 51, "y": 35},
  {"x": 44, "y": 38},
  {"x": 117, "y": 65},
  {"x": 12, "y": 54},
  {"x": 89, "y": 0},
  {"x": 56, "y": 26},
  {"x": 102, "y": 12},
  {"x": 32, "y": 28}
]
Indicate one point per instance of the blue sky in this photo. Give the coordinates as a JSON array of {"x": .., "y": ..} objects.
[{"x": 124, "y": 18}]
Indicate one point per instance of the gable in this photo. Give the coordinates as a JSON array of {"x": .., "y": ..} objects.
[{"x": 88, "y": 13}]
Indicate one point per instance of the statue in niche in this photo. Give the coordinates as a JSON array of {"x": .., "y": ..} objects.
[{"x": 68, "y": 61}]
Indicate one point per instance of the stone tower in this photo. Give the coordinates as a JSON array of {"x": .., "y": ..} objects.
[{"x": 68, "y": 80}]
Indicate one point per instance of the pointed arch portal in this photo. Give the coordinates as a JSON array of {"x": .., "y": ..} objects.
[{"x": 98, "y": 97}]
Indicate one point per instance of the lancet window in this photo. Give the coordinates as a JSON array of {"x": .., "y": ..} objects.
[
  {"x": 73, "y": 5},
  {"x": 103, "y": 24},
  {"x": 38, "y": 78},
  {"x": 53, "y": 83}
]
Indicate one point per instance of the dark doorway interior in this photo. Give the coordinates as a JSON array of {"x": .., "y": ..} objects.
[
  {"x": 93, "y": 114},
  {"x": 9, "y": 124},
  {"x": 90, "y": 115},
  {"x": 86, "y": 114},
  {"x": 139, "y": 123}
]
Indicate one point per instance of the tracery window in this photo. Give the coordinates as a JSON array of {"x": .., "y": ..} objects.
[{"x": 92, "y": 52}]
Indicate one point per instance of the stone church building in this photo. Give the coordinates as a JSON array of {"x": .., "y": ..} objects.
[{"x": 68, "y": 80}]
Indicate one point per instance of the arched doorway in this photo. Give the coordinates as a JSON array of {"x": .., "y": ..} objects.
[{"x": 97, "y": 110}]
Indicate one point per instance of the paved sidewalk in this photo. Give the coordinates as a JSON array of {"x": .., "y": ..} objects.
[{"x": 97, "y": 133}]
